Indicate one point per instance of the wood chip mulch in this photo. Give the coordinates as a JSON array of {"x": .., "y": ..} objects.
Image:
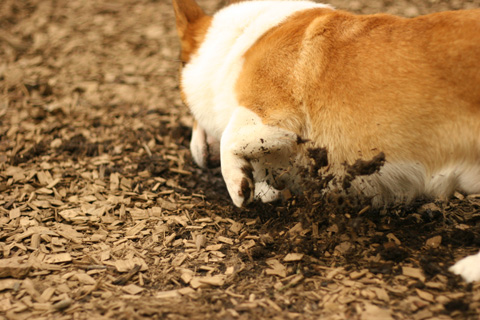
[{"x": 103, "y": 215}]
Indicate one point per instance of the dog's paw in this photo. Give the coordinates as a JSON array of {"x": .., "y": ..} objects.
[
  {"x": 205, "y": 149},
  {"x": 239, "y": 181},
  {"x": 468, "y": 268},
  {"x": 266, "y": 193}
]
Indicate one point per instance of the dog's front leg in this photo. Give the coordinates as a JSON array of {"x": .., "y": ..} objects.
[
  {"x": 468, "y": 268},
  {"x": 204, "y": 148},
  {"x": 244, "y": 142}
]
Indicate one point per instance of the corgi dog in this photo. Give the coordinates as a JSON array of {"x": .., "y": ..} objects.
[
  {"x": 267, "y": 81},
  {"x": 260, "y": 76}
]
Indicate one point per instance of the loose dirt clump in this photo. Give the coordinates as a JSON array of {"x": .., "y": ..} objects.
[
  {"x": 103, "y": 214},
  {"x": 362, "y": 168},
  {"x": 320, "y": 160}
]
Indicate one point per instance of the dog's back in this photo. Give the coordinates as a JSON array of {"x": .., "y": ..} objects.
[
  {"x": 360, "y": 85},
  {"x": 263, "y": 73}
]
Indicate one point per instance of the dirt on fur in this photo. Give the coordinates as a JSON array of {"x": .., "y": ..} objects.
[{"x": 103, "y": 214}]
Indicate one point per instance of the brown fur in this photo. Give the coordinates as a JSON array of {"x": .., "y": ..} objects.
[
  {"x": 364, "y": 84},
  {"x": 192, "y": 25}
]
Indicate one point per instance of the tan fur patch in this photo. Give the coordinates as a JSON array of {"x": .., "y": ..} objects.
[
  {"x": 192, "y": 25},
  {"x": 364, "y": 84}
]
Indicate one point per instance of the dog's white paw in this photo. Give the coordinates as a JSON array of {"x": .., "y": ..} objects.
[
  {"x": 468, "y": 268},
  {"x": 205, "y": 149},
  {"x": 266, "y": 193},
  {"x": 239, "y": 181}
]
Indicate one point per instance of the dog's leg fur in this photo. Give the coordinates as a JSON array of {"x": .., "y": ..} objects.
[
  {"x": 244, "y": 143},
  {"x": 468, "y": 268},
  {"x": 204, "y": 148},
  {"x": 198, "y": 146}
]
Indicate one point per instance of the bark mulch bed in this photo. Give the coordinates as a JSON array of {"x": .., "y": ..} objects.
[{"x": 103, "y": 215}]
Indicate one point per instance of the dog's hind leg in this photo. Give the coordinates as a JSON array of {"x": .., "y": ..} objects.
[{"x": 468, "y": 268}]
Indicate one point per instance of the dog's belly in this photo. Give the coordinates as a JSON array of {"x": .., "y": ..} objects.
[
  {"x": 395, "y": 182},
  {"x": 402, "y": 182}
]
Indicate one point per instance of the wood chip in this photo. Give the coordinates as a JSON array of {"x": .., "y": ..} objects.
[
  {"x": 225, "y": 240},
  {"x": 393, "y": 238},
  {"x": 236, "y": 227},
  {"x": 68, "y": 232},
  {"x": 195, "y": 283},
  {"x": 13, "y": 268},
  {"x": 425, "y": 295},
  {"x": 296, "y": 229},
  {"x": 435, "y": 285},
  {"x": 333, "y": 273},
  {"x": 423, "y": 314},
  {"x": 48, "y": 293},
  {"x": 8, "y": 284},
  {"x": 246, "y": 245},
  {"x": 127, "y": 265},
  {"x": 167, "y": 205},
  {"x": 434, "y": 242},
  {"x": 186, "y": 291},
  {"x": 15, "y": 213},
  {"x": 381, "y": 294},
  {"x": 179, "y": 259},
  {"x": 214, "y": 247},
  {"x": 114, "y": 181},
  {"x": 291, "y": 257},
  {"x": 123, "y": 279},
  {"x": 35, "y": 240},
  {"x": 358, "y": 274},
  {"x": 136, "y": 229},
  {"x": 276, "y": 268},
  {"x": 217, "y": 280},
  {"x": 85, "y": 278},
  {"x": 58, "y": 258},
  {"x": 29, "y": 286},
  {"x": 63, "y": 304},
  {"x": 413, "y": 273},
  {"x": 132, "y": 289},
  {"x": 186, "y": 276},
  {"x": 373, "y": 312},
  {"x": 200, "y": 241},
  {"x": 172, "y": 294}
]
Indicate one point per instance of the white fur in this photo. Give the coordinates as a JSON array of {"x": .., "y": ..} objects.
[
  {"x": 204, "y": 148},
  {"x": 402, "y": 182},
  {"x": 249, "y": 144},
  {"x": 209, "y": 78},
  {"x": 198, "y": 146},
  {"x": 468, "y": 268},
  {"x": 265, "y": 192}
]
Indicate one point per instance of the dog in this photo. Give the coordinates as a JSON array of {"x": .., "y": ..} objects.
[{"x": 267, "y": 81}]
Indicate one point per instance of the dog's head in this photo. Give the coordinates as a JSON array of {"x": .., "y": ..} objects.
[{"x": 192, "y": 25}]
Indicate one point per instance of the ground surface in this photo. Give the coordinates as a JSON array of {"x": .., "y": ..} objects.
[{"x": 103, "y": 215}]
